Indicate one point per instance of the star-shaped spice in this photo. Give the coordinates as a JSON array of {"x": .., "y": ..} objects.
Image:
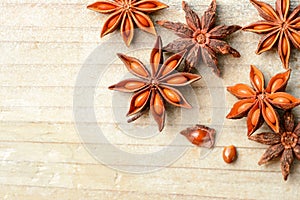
[
  {"x": 201, "y": 38},
  {"x": 153, "y": 89},
  {"x": 280, "y": 26},
  {"x": 124, "y": 13},
  {"x": 285, "y": 144},
  {"x": 258, "y": 103}
]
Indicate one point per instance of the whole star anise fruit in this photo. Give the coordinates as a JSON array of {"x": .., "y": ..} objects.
[
  {"x": 201, "y": 38},
  {"x": 280, "y": 26},
  {"x": 285, "y": 144},
  {"x": 153, "y": 89},
  {"x": 124, "y": 13},
  {"x": 258, "y": 103}
]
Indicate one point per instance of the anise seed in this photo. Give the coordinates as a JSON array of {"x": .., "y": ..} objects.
[
  {"x": 269, "y": 41},
  {"x": 137, "y": 69},
  {"x": 140, "y": 100},
  {"x": 158, "y": 108},
  {"x": 257, "y": 81},
  {"x": 285, "y": 46},
  {"x": 174, "y": 97},
  {"x": 170, "y": 66},
  {"x": 260, "y": 27},
  {"x": 244, "y": 107},
  {"x": 147, "y": 5},
  {"x": 133, "y": 85},
  {"x": 296, "y": 36},
  {"x": 142, "y": 20},
  {"x": 255, "y": 117},
  {"x": 270, "y": 115},
  {"x": 229, "y": 154},
  {"x": 281, "y": 100},
  {"x": 276, "y": 84},
  {"x": 177, "y": 80}
]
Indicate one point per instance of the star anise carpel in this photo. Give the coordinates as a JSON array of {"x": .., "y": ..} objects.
[
  {"x": 258, "y": 103},
  {"x": 126, "y": 13},
  {"x": 280, "y": 26},
  {"x": 152, "y": 90},
  {"x": 201, "y": 38},
  {"x": 284, "y": 144}
]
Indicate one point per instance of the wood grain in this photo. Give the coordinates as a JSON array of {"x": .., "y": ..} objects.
[{"x": 44, "y": 46}]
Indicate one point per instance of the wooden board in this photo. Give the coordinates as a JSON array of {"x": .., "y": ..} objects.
[{"x": 45, "y": 47}]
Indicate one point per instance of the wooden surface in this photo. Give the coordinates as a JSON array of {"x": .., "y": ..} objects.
[{"x": 42, "y": 156}]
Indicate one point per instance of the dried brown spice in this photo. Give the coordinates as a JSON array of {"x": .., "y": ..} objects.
[
  {"x": 201, "y": 38},
  {"x": 200, "y": 135},
  {"x": 124, "y": 13},
  {"x": 153, "y": 89},
  {"x": 229, "y": 154},
  {"x": 285, "y": 144},
  {"x": 258, "y": 103},
  {"x": 280, "y": 26}
]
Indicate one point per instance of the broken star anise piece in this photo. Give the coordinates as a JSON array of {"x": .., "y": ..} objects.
[
  {"x": 201, "y": 136},
  {"x": 286, "y": 144},
  {"x": 201, "y": 38},
  {"x": 124, "y": 13},
  {"x": 258, "y": 103},
  {"x": 280, "y": 26},
  {"x": 153, "y": 89}
]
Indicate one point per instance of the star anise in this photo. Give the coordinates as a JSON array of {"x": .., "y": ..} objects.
[
  {"x": 124, "y": 13},
  {"x": 286, "y": 144},
  {"x": 280, "y": 26},
  {"x": 153, "y": 89},
  {"x": 201, "y": 38},
  {"x": 258, "y": 103}
]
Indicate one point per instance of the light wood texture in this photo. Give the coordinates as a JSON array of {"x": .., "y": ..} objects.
[{"x": 43, "y": 47}]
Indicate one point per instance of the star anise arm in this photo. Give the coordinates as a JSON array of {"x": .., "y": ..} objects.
[
  {"x": 286, "y": 161},
  {"x": 268, "y": 138},
  {"x": 180, "y": 29},
  {"x": 156, "y": 57},
  {"x": 191, "y": 17},
  {"x": 270, "y": 116},
  {"x": 241, "y": 91},
  {"x": 284, "y": 49},
  {"x": 283, "y": 100},
  {"x": 278, "y": 82},
  {"x": 149, "y": 6},
  {"x": 257, "y": 79},
  {"x": 254, "y": 118},
  {"x": 127, "y": 29},
  {"x": 179, "y": 45},
  {"x": 297, "y": 131},
  {"x": 192, "y": 58},
  {"x": 170, "y": 65},
  {"x": 105, "y": 7},
  {"x": 135, "y": 66},
  {"x": 292, "y": 17},
  {"x": 112, "y": 23},
  {"x": 157, "y": 109},
  {"x": 288, "y": 121},
  {"x": 272, "y": 152},
  {"x": 143, "y": 22},
  {"x": 296, "y": 150},
  {"x": 222, "y": 31},
  {"x": 282, "y": 8},
  {"x": 223, "y": 47},
  {"x": 294, "y": 36},
  {"x": 129, "y": 85},
  {"x": 139, "y": 101},
  {"x": 180, "y": 79},
  {"x": 265, "y": 10},
  {"x": 261, "y": 27},
  {"x": 241, "y": 108},
  {"x": 209, "y": 17},
  {"x": 267, "y": 41},
  {"x": 210, "y": 59},
  {"x": 173, "y": 96}
]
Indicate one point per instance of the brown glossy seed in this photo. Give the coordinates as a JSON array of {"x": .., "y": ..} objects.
[
  {"x": 127, "y": 25},
  {"x": 267, "y": 10},
  {"x": 244, "y": 91},
  {"x": 136, "y": 67},
  {"x": 269, "y": 41},
  {"x": 147, "y": 5},
  {"x": 276, "y": 84},
  {"x": 270, "y": 115},
  {"x": 170, "y": 66},
  {"x": 261, "y": 27},
  {"x": 158, "y": 107},
  {"x": 177, "y": 80},
  {"x": 285, "y": 46},
  {"x": 172, "y": 95},
  {"x": 197, "y": 136},
  {"x": 156, "y": 61},
  {"x": 112, "y": 21},
  {"x": 296, "y": 36},
  {"x": 140, "y": 100},
  {"x": 244, "y": 107},
  {"x": 258, "y": 81},
  {"x": 281, "y": 100},
  {"x": 142, "y": 20},
  {"x": 134, "y": 85},
  {"x": 105, "y": 6},
  {"x": 229, "y": 154},
  {"x": 255, "y": 117}
]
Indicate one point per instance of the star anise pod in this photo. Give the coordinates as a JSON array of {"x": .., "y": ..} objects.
[
  {"x": 153, "y": 89},
  {"x": 201, "y": 38},
  {"x": 280, "y": 26},
  {"x": 285, "y": 144},
  {"x": 124, "y": 13},
  {"x": 258, "y": 103}
]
